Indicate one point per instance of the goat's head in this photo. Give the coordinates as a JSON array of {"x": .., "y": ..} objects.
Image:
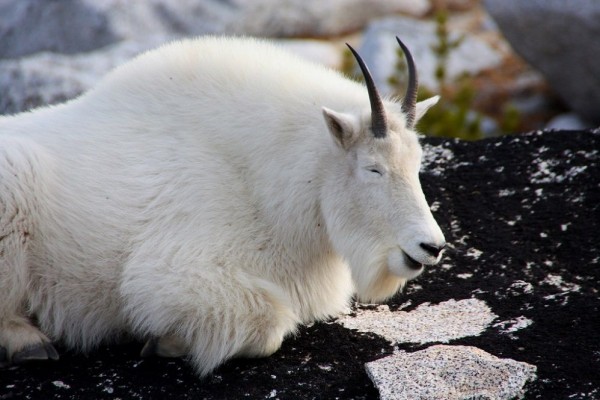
[{"x": 375, "y": 210}]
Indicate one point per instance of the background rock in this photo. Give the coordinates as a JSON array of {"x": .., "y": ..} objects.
[
  {"x": 567, "y": 121},
  {"x": 70, "y": 26},
  {"x": 50, "y": 78},
  {"x": 65, "y": 26},
  {"x": 560, "y": 39},
  {"x": 379, "y": 49},
  {"x": 286, "y": 18},
  {"x": 450, "y": 373}
]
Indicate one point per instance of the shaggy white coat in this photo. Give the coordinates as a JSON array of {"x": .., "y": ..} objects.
[{"x": 202, "y": 194}]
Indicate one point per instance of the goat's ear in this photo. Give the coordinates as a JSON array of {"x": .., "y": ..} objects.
[
  {"x": 425, "y": 105},
  {"x": 343, "y": 127}
]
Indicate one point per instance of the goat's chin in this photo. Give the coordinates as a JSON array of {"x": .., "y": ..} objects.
[
  {"x": 381, "y": 287},
  {"x": 398, "y": 266}
]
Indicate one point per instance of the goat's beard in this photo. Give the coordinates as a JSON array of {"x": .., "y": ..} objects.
[{"x": 373, "y": 279}]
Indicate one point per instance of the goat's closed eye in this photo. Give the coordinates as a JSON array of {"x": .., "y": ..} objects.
[{"x": 375, "y": 170}]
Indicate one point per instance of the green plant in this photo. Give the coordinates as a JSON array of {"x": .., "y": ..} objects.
[{"x": 454, "y": 115}]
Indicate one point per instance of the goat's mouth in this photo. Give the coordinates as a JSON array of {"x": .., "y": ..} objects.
[{"x": 411, "y": 262}]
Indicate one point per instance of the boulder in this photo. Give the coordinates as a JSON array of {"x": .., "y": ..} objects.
[
  {"x": 379, "y": 49},
  {"x": 450, "y": 373},
  {"x": 70, "y": 26},
  {"x": 49, "y": 78},
  {"x": 568, "y": 121},
  {"x": 560, "y": 39},
  {"x": 66, "y": 26}
]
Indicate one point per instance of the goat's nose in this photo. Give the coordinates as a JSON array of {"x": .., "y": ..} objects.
[{"x": 432, "y": 249}]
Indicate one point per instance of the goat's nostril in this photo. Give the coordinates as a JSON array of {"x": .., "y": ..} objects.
[{"x": 432, "y": 249}]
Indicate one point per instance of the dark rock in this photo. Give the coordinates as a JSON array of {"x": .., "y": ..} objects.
[
  {"x": 560, "y": 39},
  {"x": 522, "y": 214}
]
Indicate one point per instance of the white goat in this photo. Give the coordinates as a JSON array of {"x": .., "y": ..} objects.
[{"x": 197, "y": 199}]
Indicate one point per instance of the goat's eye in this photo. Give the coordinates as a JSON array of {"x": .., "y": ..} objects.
[{"x": 375, "y": 171}]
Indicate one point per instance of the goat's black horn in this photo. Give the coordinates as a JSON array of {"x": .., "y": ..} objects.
[
  {"x": 378, "y": 119},
  {"x": 409, "y": 103}
]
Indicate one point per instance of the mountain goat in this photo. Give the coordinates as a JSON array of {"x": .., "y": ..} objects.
[{"x": 207, "y": 197}]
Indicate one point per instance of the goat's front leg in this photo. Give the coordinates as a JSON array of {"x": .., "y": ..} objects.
[
  {"x": 20, "y": 341},
  {"x": 168, "y": 346},
  {"x": 207, "y": 313}
]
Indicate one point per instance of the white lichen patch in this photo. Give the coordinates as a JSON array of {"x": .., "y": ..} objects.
[
  {"x": 513, "y": 325},
  {"x": 521, "y": 287},
  {"x": 451, "y": 373},
  {"x": 565, "y": 288},
  {"x": 435, "y": 159},
  {"x": 558, "y": 282},
  {"x": 427, "y": 323},
  {"x": 325, "y": 367},
  {"x": 473, "y": 252},
  {"x": 61, "y": 384},
  {"x": 506, "y": 192},
  {"x": 545, "y": 172}
]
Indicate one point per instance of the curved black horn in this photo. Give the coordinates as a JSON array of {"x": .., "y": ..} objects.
[
  {"x": 378, "y": 119},
  {"x": 409, "y": 103}
]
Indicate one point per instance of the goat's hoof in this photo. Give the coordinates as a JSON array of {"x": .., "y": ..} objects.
[
  {"x": 38, "y": 351},
  {"x": 166, "y": 346},
  {"x": 149, "y": 349}
]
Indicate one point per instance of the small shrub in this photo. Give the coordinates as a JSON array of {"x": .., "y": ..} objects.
[{"x": 454, "y": 115}]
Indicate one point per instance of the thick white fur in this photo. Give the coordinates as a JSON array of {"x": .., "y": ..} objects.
[{"x": 196, "y": 193}]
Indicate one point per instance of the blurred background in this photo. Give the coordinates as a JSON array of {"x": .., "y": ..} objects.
[{"x": 501, "y": 66}]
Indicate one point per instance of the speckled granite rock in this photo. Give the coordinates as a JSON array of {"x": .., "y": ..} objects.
[
  {"x": 438, "y": 323},
  {"x": 449, "y": 373},
  {"x": 522, "y": 214}
]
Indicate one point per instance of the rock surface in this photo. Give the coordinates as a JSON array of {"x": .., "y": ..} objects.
[
  {"x": 450, "y": 373},
  {"x": 522, "y": 216},
  {"x": 49, "y": 78},
  {"x": 71, "y": 26},
  {"x": 560, "y": 39},
  {"x": 439, "y": 323},
  {"x": 66, "y": 26},
  {"x": 379, "y": 49}
]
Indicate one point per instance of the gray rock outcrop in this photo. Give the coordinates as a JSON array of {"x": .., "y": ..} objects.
[
  {"x": 49, "y": 78},
  {"x": 66, "y": 26},
  {"x": 379, "y": 49},
  {"x": 560, "y": 39},
  {"x": 71, "y": 26}
]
